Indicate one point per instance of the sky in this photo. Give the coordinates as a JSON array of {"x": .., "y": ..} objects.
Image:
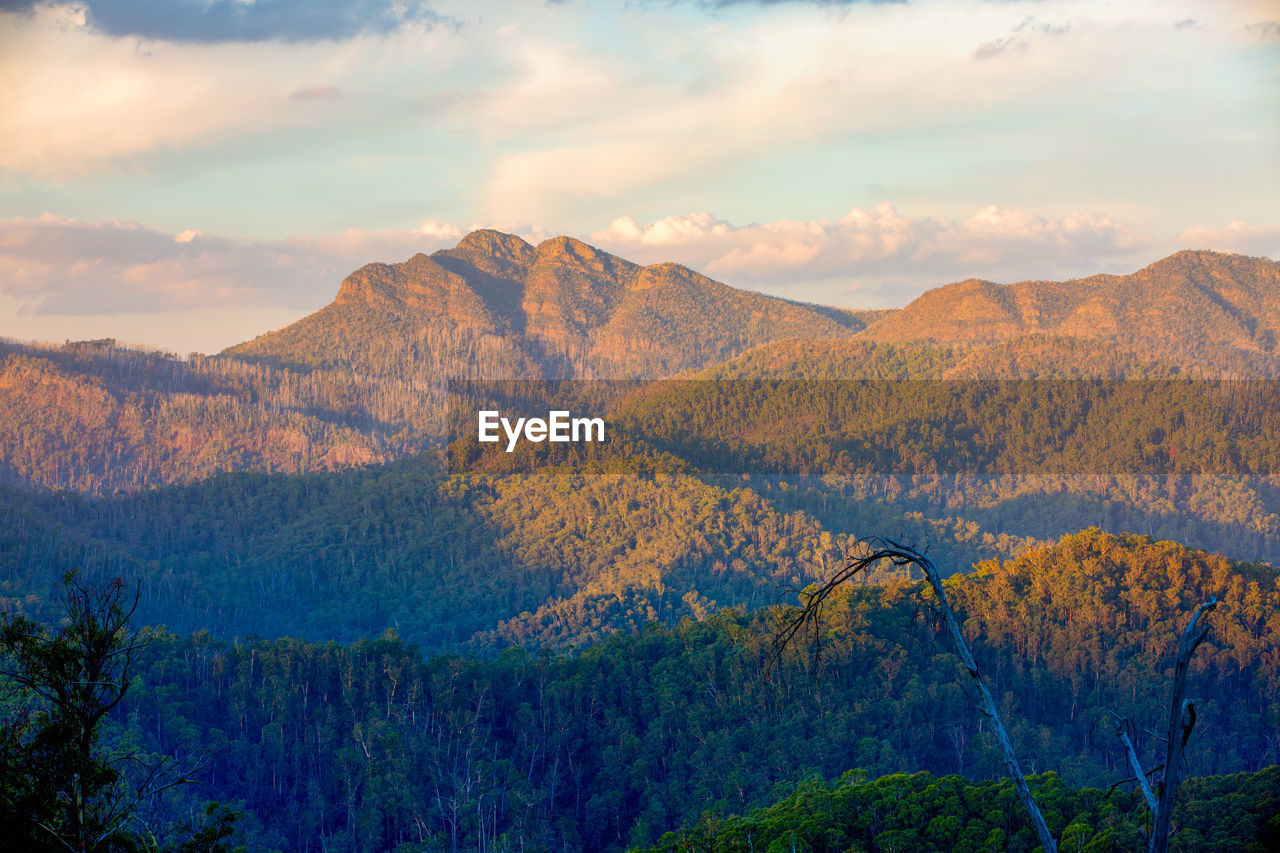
[{"x": 187, "y": 174}]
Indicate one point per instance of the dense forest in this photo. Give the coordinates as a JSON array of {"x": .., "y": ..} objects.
[
  {"x": 374, "y": 746},
  {"x": 920, "y": 811},
  {"x": 556, "y": 554},
  {"x": 709, "y": 494}
]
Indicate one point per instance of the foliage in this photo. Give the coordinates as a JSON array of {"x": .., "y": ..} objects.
[
  {"x": 59, "y": 787},
  {"x": 371, "y": 746},
  {"x": 923, "y": 812}
]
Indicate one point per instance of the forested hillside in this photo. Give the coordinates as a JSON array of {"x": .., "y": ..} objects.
[
  {"x": 96, "y": 417},
  {"x": 1032, "y": 356},
  {"x": 553, "y": 556},
  {"x": 708, "y": 494},
  {"x": 373, "y": 746}
]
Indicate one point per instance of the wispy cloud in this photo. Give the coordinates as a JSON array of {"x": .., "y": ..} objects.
[
  {"x": 1265, "y": 29},
  {"x": 1019, "y": 40},
  {"x": 316, "y": 93},
  {"x": 582, "y": 124}
]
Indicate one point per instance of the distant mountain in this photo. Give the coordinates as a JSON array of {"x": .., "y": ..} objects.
[
  {"x": 496, "y": 306},
  {"x": 1212, "y": 312}
]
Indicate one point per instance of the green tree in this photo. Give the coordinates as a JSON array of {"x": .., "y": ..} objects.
[{"x": 60, "y": 788}]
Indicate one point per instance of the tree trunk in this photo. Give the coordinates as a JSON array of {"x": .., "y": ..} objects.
[
  {"x": 1182, "y": 718},
  {"x": 987, "y": 704}
]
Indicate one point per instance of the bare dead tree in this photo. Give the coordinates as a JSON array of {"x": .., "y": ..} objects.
[
  {"x": 1182, "y": 719},
  {"x": 871, "y": 552},
  {"x": 1124, "y": 731}
]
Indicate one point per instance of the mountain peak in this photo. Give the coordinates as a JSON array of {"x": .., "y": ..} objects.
[
  {"x": 561, "y": 247},
  {"x": 493, "y": 242},
  {"x": 490, "y": 249},
  {"x": 1201, "y": 309},
  {"x": 494, "y": 261},
  {"x": 1191, "y": 261},
  {"x": 564, "y": 263}
]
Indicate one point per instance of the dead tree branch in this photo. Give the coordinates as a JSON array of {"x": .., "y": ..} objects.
[
  {"x": 1124, "y": 728},
  {"x": 871, "y": 553},
  {"x": 1182, "y": 719}
]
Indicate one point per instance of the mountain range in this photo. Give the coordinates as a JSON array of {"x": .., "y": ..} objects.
[
  {"x": 496, "y": 306},
  {"x": 350, "y": 402},
  {"x": 363, "y": 379}
]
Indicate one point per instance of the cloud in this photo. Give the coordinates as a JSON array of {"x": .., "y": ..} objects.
[
  {"x": 103, "y": 100},
  {"x": 1019, "y": 39},
  {"x": 209, "y": 21},
  {"x": 1265, "y": 29},
  {"x": 57, "y": 266},
  {"x": 887, "y": 252},
  {"x": 78, "y": 102},
  {"x": 552, "y": 113},
  {"x": 1236, "y": 237},
  {"x": 585, "y": 127}
]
